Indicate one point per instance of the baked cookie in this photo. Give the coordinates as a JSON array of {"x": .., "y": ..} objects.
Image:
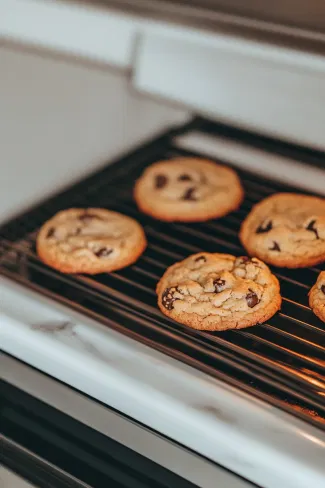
[
  {"x": 91, "y": 240},
  {"x": 188, "y": 190},
  {"x": 286, "y": 229},
  {"x": 317, "y": 297},
  {"x": 219, "y": 292}
]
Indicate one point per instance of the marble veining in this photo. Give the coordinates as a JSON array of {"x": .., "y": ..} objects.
[
  {"x": 71, "y": 329},
  {"x": 91, "y": 348},
  {"x": 54, "y": 326},
  {"x": 216, "y": 412}
]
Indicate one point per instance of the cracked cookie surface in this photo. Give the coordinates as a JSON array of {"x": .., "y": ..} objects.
[
  {"x": 188, "y": 190},
  {"x": 90, "y": 241},
  {"x": 218, "y": 292},
  {"x": 317, "y": 297},
  {"x": 286, "y": 229}
]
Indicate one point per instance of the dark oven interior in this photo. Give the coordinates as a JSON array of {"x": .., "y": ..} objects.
[{"x": 281, "y": 361}]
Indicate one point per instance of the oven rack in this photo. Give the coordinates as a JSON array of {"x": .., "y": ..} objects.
[{"x": 281, "y": 361}]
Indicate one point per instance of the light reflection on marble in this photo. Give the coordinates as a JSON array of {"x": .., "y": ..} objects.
[{"x": 255, "y": 440}]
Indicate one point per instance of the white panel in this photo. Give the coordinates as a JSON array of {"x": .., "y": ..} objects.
[
  {"x": 258, "y": 161},
  {"x": 238, "y": 86},
  {"x": 235, "y": 44},
  {"x": 76, "y": 29}
]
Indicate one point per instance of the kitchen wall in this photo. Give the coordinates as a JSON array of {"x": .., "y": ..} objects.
[{"x": 60, "y": 118}]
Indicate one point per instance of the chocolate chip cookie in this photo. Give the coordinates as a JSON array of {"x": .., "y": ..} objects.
[
  {"x": 188, "y": 190},
  {"x": 90, "y": 241},
  {"x": 219, "y": 292},
  {"x": 317, "y": 297},
  {"x": 286, "y": 229}
]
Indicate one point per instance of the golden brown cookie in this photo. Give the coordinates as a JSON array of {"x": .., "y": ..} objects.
[
  {"x": 219, "y": 292},
  {"x": 188, "y": 190},
  {"x": 90, "y": 241},
  {"x": 317, "y": 297},
  {"x": 286, "y": 229}
]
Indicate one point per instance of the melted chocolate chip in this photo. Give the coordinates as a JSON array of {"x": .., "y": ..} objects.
[
  {"x": 168, "y": 297},
  {"x": 189, "y": 195},
  {"x": 200, "y": 258},
  {"x": 161, "y": 181},
  {"x": 275, "y": 247},
  {"x": 323, "y": 289},
  {"x": 218, "y": 285},
  {"x": 103, "y": 252},
  {"x": 252, "y": 299},
  {"x": 50, "y": 233},
  {"x": 184, "y": 177},
  {"x": 244, "y": 259},
  {"x": 262, "y": 230},
  {"x": 88, "y": 217},
  {"x": 311, "y": 226}
]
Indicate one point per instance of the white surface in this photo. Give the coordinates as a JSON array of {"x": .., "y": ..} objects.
[
  {"x": 106, "y": 35},
  {"x": 268, "y": 88},
  {"x": 260, "y": 162},
  {"x": 263, "y": 444},
  {"x": 60, "y": 120},
  {"x": 81, "y": 30},
  {"x": 8, "y": 479},
  {"x": 241, "y": 88}
]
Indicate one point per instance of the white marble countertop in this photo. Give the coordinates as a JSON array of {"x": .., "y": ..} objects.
[{"x": 9, "y": 479}]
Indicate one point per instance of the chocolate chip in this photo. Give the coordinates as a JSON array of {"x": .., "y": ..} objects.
[
  {"x": 218, "y": 285},
  {"x": 184, "y": 177},
  {"x": 275, "y": 247},
  {"x": 88, "y": 217},
  {"x": 323, "y": 289},
  {"x": 311, "y": 226},
  {"x": 200, "y": 258},
  {"x": 103, "y": 252},
  {"x": 245, "y": 259},
  {"x": 252, "y": 299},
  {"x": 161, "y": 181},
  {"x": 50, "y": 233},
  {"x": 189, "y": 195},
  {"x": 168, "y": 297},
  {"x": 262, "y": 230}
]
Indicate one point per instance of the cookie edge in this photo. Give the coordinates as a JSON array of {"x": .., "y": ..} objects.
[
  {"x": 315, "y": 309},
  {"x": 189, "y": 216},
  {"x": 91, "y": 269},
  {"x": 65, "y": 267},
  {"x": 281, "y": 262},
  {"x": 194, "y": 321}
]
